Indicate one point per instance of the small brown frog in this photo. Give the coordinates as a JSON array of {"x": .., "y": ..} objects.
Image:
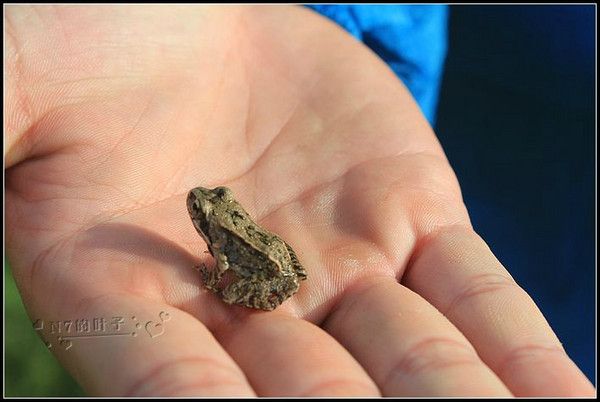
[{"x": 266, "y": 270}]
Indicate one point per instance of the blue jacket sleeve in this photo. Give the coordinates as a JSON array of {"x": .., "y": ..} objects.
[{"x": 411, "y": 39}]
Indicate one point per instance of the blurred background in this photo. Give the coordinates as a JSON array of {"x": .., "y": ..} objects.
[
  {"x": 515, "y": 98},
  {"x": 516, "y": 118}
]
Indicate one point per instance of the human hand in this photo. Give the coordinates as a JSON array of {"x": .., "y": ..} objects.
[{"x": 114, "y": 113}]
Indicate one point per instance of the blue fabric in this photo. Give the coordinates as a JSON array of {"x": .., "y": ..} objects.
[
  {"x": 411, "y": 39},
  {"x": 517, "y": 120}
]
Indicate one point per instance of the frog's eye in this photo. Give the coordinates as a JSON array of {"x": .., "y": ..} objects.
[{"x": 224, "y": 193}]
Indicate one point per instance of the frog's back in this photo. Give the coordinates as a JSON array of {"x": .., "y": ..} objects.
[{"x": 263, "y": 247}]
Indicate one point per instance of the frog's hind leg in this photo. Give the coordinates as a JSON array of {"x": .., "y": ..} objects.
[{"x": 260, "y": 294}]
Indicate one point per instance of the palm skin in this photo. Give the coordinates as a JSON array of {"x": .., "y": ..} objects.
[{"x": 114, "y": 114}]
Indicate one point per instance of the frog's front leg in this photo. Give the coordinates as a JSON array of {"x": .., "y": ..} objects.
[{"x": 211, "y": 277}]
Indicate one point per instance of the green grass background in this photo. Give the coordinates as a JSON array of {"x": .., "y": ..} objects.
[{"x": 30, "y": 368}]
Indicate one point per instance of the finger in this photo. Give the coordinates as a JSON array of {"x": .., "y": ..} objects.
[
  {"x": 456, "y": 271},
  {"x": 407, "y": 346},
  {"x": 171, "y": 354},
  {"x": 287, "y": 356}
]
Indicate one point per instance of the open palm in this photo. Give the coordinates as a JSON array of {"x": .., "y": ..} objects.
[{"x": 114, "y": 114}]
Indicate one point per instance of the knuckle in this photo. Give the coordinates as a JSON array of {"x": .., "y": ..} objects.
[
  {"x": 194, "y": 375},
  {"x": 342, "y": 387},
  {"x": 432, "y": 354},
  {"x": 528, "y": 353},
  {"x": 480, "y": 285}
]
